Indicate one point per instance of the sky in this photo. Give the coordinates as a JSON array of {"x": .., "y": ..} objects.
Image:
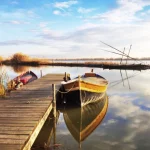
[{"x": 74, "y": 28}]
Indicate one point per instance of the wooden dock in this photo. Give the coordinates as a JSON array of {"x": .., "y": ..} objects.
[{"x": 24, "y": 112}]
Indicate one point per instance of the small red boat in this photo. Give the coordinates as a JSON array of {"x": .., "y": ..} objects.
[{"x": 24, "y": 78}]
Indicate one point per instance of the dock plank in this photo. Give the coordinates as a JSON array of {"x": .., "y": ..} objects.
[
  {"x": 10, "y": 146},
  {"x": 23, "y": 112}
]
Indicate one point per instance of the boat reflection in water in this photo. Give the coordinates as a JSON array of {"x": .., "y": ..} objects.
[{"x": 82, "y": 121}]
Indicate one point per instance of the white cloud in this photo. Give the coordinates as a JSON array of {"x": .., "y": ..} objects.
[
  {"x": 17, "y": 14},
  {"x": 88, "y": 26},
  {"x": 15, "y": 2},
  {"x": 125, "y": 13},
  {"x": 61, "y": 13},
  {"x": 31, "y": 13},
  {"x": 57, "y": 12},
  {"x": 51, "y": 34},
  {"x": 22, "y": 42},
  {"x": 64, "y": 7},
  {"x": 43, "y": 24},
  {"x": 15, "y": 22},
  {"x": 65, "y": 4},
  {"x": 85, "y": 10}
]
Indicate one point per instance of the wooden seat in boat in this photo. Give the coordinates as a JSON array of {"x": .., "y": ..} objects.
[{"x": 90, "y": 74}]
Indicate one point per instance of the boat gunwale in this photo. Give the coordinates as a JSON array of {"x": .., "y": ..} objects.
[{"x": 81, "y": 80}]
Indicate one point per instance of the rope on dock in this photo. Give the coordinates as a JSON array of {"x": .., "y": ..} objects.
[{"x": 67, "y": 91}]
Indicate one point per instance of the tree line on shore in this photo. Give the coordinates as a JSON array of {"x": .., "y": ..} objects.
[
  {"x": 86, "y": 59},
  {"x": 22, "y": 59}
]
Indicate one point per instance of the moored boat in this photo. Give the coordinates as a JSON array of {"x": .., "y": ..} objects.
[
  {"x": 22, "y": 79},
  {"x": 85, "y": 89}
]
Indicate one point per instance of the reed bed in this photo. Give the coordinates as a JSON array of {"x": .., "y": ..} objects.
[
  {"x": 25, "y": 60},
  {"x": 19, "y": 58},
  {"x": 22, "y": 59},
  {"x": 20, "y": 68},
  {"x": 4, "y": 80}
]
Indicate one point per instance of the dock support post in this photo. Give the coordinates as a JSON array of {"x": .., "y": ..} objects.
[
  {"x": 65, "y": 76},
  {"x": 41, "y": 73},
  {"x": 54, "y": 130},
  {"x": 54, "y": 112},
  {"x": 54, "y": 99}
]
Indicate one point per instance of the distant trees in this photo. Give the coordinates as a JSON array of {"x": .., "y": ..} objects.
[
  {"x": 19, "y": 58},
  {"x": 22, "y": 59}
]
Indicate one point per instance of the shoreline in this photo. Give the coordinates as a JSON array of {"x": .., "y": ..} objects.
[
  {"x": 104, "y": 65},
  {"x": 20, "y": 59}
]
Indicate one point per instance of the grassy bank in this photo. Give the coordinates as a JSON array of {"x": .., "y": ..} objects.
[
  {"x": 4, "y": 79},
  {"x": 105, "y": 65},
  {"x": 20, "y": 59}
]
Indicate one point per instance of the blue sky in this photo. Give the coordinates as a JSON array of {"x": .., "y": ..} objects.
[{"x": 74, "y": 28}]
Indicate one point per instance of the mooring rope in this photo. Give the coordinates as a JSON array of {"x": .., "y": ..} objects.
[{"x": 67, "y": 91}]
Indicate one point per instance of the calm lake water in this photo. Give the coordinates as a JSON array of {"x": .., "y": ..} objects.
[{"x": 126, "y": 125}]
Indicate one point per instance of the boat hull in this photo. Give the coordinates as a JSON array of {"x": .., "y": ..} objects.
[
  {"x": 27, "y": 77},
  {"x": 85, "y": 90},
  {"x": 21, "y": 80},
  {"x": 85, "y": 86},
  {"x": 82, "y": 97}
]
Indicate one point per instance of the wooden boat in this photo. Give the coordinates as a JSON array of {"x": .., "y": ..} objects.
[
  {"x": 86, "y": 89},
  {"x": 82, "y": 121},
  {"x": 26, "y": 77},
  {"x": 22, "y": 79}
]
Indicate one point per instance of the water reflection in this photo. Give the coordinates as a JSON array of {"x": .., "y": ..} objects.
[
  {"x": 20, "y": 68},
  {"x": 46, "y": 139},
  {"x": 82, "y": 121}
]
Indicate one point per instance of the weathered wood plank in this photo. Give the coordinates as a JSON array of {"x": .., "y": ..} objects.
[
  {"x": 33, "y": 109},
  {"x": 15, "y": 98},
  {"x": 16, "y": 132},
  {"x": 24, "y": 110},
  {"x": 24, "y": 101},
  {"x": 15, "y": 128},
  {"x": 19, "y": 118},
  {"x": 8, "y": 136},
  {"x": 17, "y": 124},
  {"x": 18, "y": 115},
  {"x": 23, "y": 106},
  {"x": 32, "y": 93},
  {"x": 10, "y": 147},
  {"x": 11, "y": 141}
]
